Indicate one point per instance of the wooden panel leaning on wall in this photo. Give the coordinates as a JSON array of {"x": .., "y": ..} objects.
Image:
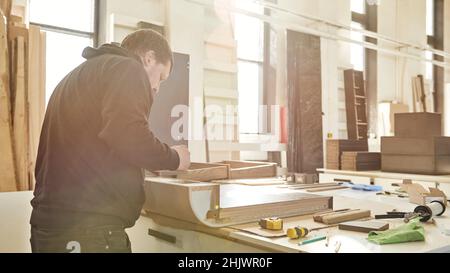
[
  {"x": 7, "y": 170},
  {"x": 22, "y": 100}
]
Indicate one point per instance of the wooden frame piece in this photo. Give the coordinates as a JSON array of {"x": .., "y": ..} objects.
[
  {"x": 250, "y": 169},
  {"x": 201, "y": 172}
]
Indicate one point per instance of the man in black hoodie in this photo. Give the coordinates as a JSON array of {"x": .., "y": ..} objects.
[{"x": 94, "y": 145}]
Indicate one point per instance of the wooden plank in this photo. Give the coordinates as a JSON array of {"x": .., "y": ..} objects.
[
  {"x": 336, "y": 218},
  {"x": 6, "y": 6},
  {"x": 328, "y": 189},
  {"x": 36, "y": 95},
  {"x": 419, "y": 94},
  {"x": 364, "y": 226},
  {"x": 7, "y": 168},
  {"x": 201, "y": 172},
  {"x": 247, "y": 169},
  {"x": 20, "y": 116}
]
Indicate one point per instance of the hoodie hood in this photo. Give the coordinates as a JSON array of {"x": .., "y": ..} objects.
[{"x": 112, "y": 49}]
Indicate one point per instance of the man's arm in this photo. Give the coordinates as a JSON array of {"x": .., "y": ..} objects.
[{"x": 125, "y": 129}]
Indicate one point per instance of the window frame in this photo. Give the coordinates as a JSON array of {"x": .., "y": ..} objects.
[{"x": 84, "y": 34}]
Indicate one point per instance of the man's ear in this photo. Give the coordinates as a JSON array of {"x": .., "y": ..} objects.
[{"x": 149, "y": 58}]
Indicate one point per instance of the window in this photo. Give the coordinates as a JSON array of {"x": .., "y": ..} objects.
[
  {"x": 249, "y": 33},
  {"x": 70, "y": 26},
  {"x": 357, "y": 55},
  {"x": 430, "y": 17},
  {"x": 358, "y": 6},
  {"x": 357, "y": 52},
  {"x": 430, "y": 33}
]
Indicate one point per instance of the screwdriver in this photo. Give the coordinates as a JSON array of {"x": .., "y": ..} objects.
[{"x": 302, "y": 232}]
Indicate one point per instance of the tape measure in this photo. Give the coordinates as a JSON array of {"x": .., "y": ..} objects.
[{"x": 271, "y": 223}]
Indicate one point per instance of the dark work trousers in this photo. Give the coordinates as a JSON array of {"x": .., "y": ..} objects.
[{"x": 105, "y": 239}]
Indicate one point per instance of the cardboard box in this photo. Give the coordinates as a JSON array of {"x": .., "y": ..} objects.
[{"x": 418, "y": 125}]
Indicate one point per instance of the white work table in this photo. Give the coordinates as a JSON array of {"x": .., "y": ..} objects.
[
  {"x": 356, "y": 242},
  {"x": 375, "y": 176},
  {"x": 15, "y": 211}
]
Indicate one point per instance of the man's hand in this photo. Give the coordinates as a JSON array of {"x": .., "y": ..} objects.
[{"x": 185, "y": 157}]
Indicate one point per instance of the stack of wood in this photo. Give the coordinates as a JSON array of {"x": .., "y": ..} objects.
[
  {"x": 335, "y": 148},
  {"x": 418, "y": 146},
  {"x": 22, "y": 97},
  {"x": 361, "y": 161}
]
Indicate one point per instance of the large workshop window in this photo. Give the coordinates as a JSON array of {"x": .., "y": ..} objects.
[
  {"x": 249, "y": 33},
  {"x": 70, "y": 26},
  {"x": 357, "y": 57},
  {"x": 365, "y": 17},
  {"x": 430, "y": 33}
]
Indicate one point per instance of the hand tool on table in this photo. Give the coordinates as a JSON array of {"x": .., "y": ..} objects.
[
  {"x": 302, "y": 232},
  {"x": 399, "y": 195},
  {"x": 406, "y": 216},
  {"x": 425, "y": 213},
  {"x": 273, "y": 223},
  {"x": 313, "y": 240}
]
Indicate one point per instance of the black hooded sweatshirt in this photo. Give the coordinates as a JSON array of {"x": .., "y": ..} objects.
[{"x": 95, "y": 143}]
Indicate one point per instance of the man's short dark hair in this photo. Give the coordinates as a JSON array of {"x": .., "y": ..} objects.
[{"x": 144, "y": 40}]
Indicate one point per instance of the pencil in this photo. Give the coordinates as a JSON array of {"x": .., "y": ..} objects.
[{"x": 313, "y": 240}]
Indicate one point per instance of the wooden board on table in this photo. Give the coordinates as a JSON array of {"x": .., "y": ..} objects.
[
  {"x": 202, "y": 172},
  {"x": 364, "y": 226},
  {"x": 20, "y": 116},
  {"x": 250, "y": 169},
  {"x": 331, "y": 218},
  {"x": 311, "y": 186},
  {"x": 327, "y": 189},
  {"x": 214, "y": 205},
  {"x": 243, "y": 204},
  {"x": 253, "y": 182},
  {"x": 7, "y": 168}
]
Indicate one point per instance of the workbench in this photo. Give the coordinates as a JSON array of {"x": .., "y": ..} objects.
[
  {"x": 385, "y": 179},
  {"x": 172, "y": 235}
]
